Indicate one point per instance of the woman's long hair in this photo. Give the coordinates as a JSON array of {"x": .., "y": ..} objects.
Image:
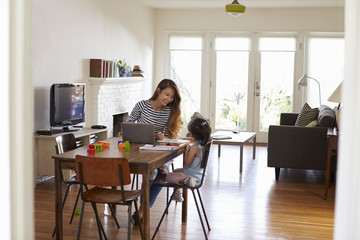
[{"x": 174, "y": 122}]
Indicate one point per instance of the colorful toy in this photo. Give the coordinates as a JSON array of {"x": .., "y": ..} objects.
[
  {"x": 98, "y": 147},
  {"x": 91, "y": 146},
  {"x": 91, "y": 151},
  {"x": 121, "y": 144},
  {"x": 78, "y": 212},
  {"x": 127, "y": 145}
]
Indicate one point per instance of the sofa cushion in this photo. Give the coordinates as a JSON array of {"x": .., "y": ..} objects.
[
  {"x": 326, "y": 116},
  {"x": 313, "y": 123},
  {"x": 306, "y": 115}
]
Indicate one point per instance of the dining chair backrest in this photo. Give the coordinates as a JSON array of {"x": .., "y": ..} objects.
[
  {"x": 204, "y": 160},
  {"x": 65, "y": 143},
  {"x": 107, "y": 172}
]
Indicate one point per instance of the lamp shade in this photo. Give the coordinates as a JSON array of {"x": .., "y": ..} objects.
[
  {"x": 235, "y": 8},
  {"x": 302, "y": 81},
  {"x": 336, "y": 95}
]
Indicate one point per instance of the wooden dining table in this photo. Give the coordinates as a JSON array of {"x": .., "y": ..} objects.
[{"x": 140, "y": 161}]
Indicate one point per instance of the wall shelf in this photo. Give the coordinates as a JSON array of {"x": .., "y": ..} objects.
[{"x": 94, "y": 80}]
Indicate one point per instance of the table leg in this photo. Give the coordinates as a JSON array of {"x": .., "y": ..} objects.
[
  {"x": 58, "y": 202},
  {"x": 219, "y": 150},
  {"x": 146, "y": 203},
  {"x": 241, "y": 157},
  {"x": 328, "y": 166},
  {"x": 184, "y": 203},
  {"x": 254, "y": 146}
]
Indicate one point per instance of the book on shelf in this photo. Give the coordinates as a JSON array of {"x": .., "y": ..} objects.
[
  {"x": 96, "y": 67},
  {"x": 103, "y": 68}
]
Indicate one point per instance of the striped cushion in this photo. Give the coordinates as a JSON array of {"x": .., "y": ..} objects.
[{"x": 306, "y": 115}]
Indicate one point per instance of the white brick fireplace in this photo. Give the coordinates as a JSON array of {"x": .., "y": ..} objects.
[{"x": 106, "y": 97}]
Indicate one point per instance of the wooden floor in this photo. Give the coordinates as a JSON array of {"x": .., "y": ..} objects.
[{"x": 251, "y": 205}]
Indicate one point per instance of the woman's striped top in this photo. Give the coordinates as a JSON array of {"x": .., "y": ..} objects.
[{"x": 144, "y": 113}]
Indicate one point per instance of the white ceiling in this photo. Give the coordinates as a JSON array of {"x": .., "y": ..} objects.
[{"x": 247, "y": 3}]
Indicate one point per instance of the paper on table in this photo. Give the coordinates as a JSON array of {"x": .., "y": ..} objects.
[
  {"x": 180, "y": 141},
  {"x": 157, "y": 147},
  {"x": 220, "y": 137}
]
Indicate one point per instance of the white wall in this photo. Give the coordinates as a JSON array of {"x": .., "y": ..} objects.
[
  {"x": 5, "y": 120},
  {"x": 347, "y": 208},
  {"x": 21, "y": 122},
  {"x": 67, "y": 33},
  {"x": 254, "y": 20}
]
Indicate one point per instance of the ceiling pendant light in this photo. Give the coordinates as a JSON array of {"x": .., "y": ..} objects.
[{"x": 235, "y": 8}]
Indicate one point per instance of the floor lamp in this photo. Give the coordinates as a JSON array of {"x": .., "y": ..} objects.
[{"x": 303, "y": 82}]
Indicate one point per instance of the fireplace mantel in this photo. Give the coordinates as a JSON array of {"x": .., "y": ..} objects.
[
  {"x": 108, "y": 96},
  {"x": 121, "y": 80}
]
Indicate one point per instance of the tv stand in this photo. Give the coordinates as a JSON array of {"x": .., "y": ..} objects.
[
  {"x": 44, "y": 147},
  {"x": 70, "y": 129}
]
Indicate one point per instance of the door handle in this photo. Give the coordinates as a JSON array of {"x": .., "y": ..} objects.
[{"x": 257, "y": 88}]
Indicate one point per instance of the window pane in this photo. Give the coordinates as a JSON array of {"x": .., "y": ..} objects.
[
  {"x": 277, "y": 74},
  {"x": 186, "y": 65},
  {"x": 232, "y": 43},
  {"x": 231, "y": 89},
  {"x": 329, "y": 71},
  {"x": 185, "y": 43},
  {"x": 186, "y": 72},
  {"x": 277, "y": 44}
]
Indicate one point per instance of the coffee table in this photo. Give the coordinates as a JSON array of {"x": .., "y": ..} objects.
[{"x": 236, "y": 139}]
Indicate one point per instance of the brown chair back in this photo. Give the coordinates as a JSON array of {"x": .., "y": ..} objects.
[
  {"x": 103, "y": 171},
  {"x": 204, "y": 160},
  {"x": 65, "y": 143}
]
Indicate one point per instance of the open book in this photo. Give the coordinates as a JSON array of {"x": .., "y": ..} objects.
[
  {"x": 157, "y": 147},
  {"x": 180, "y": 141}
]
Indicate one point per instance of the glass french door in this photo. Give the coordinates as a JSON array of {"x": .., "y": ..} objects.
[
  {"x": 186, "y": 52},
  {"x": 254, "y": 81}
]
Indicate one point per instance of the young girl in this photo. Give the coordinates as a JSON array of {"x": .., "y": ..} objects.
[{"x": 192, "y": 172}]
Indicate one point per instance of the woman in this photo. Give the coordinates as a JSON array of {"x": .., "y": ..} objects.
[{"x": 163, "y": 111}]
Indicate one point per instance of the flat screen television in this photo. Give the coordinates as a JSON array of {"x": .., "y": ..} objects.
[{"x": 67, "y": 104}]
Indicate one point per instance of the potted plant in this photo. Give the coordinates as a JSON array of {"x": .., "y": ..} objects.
[{"x": 121, "y": 64}]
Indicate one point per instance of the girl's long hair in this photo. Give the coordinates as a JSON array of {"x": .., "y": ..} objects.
[{"x": 174, "y": 122}]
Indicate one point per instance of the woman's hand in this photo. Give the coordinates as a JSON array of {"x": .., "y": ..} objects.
[{"x": 160, "y": 136}]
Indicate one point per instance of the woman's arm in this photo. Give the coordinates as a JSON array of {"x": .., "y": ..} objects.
[
  {"x": 135, "y": 113},
  {"x": 190, "y": 155}
]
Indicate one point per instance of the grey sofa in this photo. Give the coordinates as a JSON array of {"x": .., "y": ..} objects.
[{"x": 291, "y": 146}]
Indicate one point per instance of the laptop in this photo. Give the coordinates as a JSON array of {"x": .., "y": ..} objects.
[{"x": 138, "y": 132}]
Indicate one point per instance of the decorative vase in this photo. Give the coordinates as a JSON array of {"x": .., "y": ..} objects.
[{"x": 121, "y": 72}]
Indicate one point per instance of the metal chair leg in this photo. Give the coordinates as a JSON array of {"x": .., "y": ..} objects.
[
  {"x": 81, "y": 218},
  {"x": 198, "y": 210},
  {"x": 63, "y": 204},
  {"x": 140, "y": 226},
  {"x": 74, "y": 209},
  {"x": 99, "y": 225},
  {"x": 113, "y": 215},
  {"x": 203, "y": 208},
  {"x": 162, "y": 217},
  {"x": 133, "y": 182},
  {"x": 129, "y": 220}
]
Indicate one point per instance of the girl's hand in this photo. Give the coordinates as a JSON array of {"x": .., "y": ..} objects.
[{"x": 159, "y": 135}]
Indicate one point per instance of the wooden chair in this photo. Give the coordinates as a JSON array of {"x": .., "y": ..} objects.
[
  {"x": 66, "y": 143},
  {"x": 164, "y": 183},
  {"x": 102, "y": 173}
]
